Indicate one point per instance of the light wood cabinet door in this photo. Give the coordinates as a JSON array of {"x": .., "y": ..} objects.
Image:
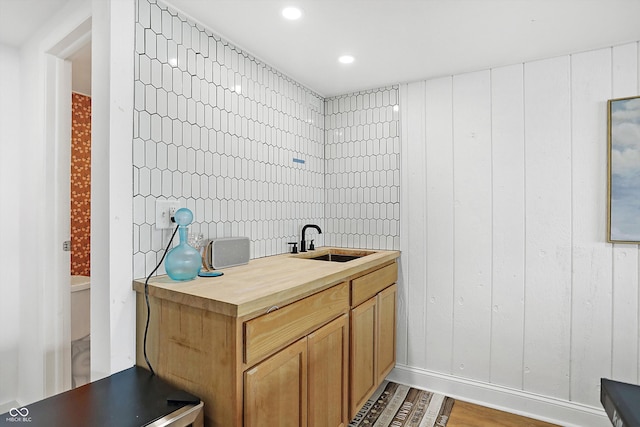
[
  {"x": 328, "y": 349},
  {"x": 386, "y": 344},
  {"x": 275, "y": 391},
  {"x": 362, "y": 367}
]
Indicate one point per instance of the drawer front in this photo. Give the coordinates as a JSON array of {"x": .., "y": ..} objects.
[
  {"x": 272, "y": 331},
  {"x": 370, "y": 284}
]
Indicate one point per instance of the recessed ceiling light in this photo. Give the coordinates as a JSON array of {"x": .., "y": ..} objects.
[
  {"x": 291, "y": 13},
  {"x": 346, "y": 59}
]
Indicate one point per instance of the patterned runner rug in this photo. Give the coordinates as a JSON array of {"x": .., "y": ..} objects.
[{"x": 398, "y": 405}]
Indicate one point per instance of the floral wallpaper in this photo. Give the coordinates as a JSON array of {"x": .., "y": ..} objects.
[{"x": 80, "y": 184}]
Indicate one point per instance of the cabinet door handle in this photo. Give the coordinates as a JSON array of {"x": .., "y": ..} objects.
[{"x": 274, "y": 308}]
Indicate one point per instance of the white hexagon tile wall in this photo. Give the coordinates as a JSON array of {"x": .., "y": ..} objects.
[
  {"x": 247, "y": 150},
  {"x": 362, "y": 170}
]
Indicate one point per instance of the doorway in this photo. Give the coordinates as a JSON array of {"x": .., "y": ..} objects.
[
  {"x": 58, "y": 124},
  {"x": 80, "y": 216},
  {"x": 43, "y": 349},
  {"x": 47, "y": 287}
]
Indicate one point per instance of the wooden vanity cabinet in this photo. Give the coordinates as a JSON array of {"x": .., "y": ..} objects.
[
  {"x": 311, "y": 362},
  {"x": 373, "y": 333}
]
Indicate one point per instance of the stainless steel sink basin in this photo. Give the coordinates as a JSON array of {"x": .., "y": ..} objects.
[{"x": 335, "y": 255}]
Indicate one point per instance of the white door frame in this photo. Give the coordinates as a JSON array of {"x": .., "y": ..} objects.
[
  {"x": 57, "y": 297},
  {"x": 45, "y": 292}
]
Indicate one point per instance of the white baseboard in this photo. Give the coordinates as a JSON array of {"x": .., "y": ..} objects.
[
  {"x": 549, "y": 409},
  {"x": 6, "y": 406}
]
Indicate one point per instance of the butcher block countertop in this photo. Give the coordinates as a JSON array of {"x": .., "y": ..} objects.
[{"x": 266, "y": 282}]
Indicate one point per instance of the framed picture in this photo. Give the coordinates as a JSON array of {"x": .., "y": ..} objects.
[{"x": 624, "y": 170}]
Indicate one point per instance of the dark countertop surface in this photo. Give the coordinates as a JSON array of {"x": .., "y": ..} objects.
[
  {"x": 130, "y": 398},
  {"x": 621, "y": 401}
]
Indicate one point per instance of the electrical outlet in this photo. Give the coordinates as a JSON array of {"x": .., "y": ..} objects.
[
  {"x": 165, "y": 210},
  {"x": 172, "y": 213}
]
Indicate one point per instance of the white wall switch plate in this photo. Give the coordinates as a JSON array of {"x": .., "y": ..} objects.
[{"x": 165, "y": 209}]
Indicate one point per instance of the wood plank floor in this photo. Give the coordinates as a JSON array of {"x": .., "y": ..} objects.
[{"x": 466, "y": 414}]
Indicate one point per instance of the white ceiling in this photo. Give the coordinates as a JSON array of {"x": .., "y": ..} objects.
[
  {"x": 393, "y": 41},
  {"x": 406, "y": 40}
]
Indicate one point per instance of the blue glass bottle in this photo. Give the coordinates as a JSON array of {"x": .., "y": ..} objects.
[{"x": 184, "y": 261}]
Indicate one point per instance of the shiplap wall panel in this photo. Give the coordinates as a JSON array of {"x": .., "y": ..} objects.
[
  {"x": 507, "y": 326},
  {"x": 472, "y": 232},
  {"x": 625, "y": 82},
  {"x": 416, "y": 267},
  {"x": 591, "y": 254},
  {"x": 564, "y": 303},
  {"x": 440, "y": 242},
  {"x": 548, "y": 227}
]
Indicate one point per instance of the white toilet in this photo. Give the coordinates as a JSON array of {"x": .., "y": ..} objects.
[{"x": 80, "y": 330}]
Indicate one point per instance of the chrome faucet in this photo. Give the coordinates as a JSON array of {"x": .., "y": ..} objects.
[{"x": 303, "y": 242}]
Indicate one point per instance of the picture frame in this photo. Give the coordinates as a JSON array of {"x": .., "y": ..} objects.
[{"x": 623, "y": 221}]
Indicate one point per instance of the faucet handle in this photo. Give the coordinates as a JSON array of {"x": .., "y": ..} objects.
[
  {"x": 311, "y": 246},
  {"x": 294, "y": 248}
]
